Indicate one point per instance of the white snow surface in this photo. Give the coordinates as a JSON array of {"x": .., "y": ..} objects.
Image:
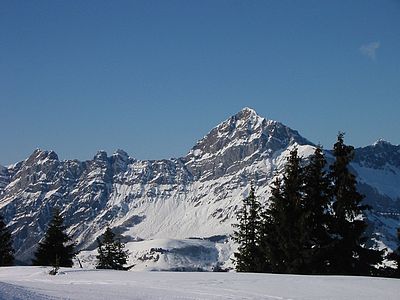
[
  {"x": 34, "y": 283},
  {"x": 386, "y": 180}
]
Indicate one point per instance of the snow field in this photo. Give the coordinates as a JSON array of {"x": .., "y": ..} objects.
[{"x": 35, "y": 283}]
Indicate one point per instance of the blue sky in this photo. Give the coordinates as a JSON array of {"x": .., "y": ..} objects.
[{"x": 153, "y": 77}]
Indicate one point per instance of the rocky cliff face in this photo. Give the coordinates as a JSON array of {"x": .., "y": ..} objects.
[
  {"x": 238, "y": 142},
  {"x": 193, "y": 196},
  {"x": 4, "y": 178}
]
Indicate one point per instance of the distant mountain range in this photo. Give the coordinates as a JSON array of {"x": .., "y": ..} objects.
[{"x": 177, "y": 213}]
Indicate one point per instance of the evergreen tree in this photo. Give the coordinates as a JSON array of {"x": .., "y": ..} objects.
[
  {"x": 270, "y": 218},
  {"x": 283, "y": 226},
  {"x": 247, "y": 235},
  {"x": 6, "y": 249},
  {"x": 111, "y": 253},
  {"x": 313, "y": 224},
  {"x": 348, "y": 254},
  {"x": 395, "y": 257},
  {"x": 316, "y": 218},
  {"x": 56, "y": 248}
]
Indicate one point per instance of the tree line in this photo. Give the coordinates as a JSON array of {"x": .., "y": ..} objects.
[
  {"x": 56, "y": 249},
  {"x": 313, "y": 222}
]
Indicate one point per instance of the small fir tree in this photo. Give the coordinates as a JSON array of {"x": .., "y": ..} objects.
[
  {"x": 111, "y": 253},
  {"x": 248, "y": 258},
  {"x": 56, "y": 248},
  {"x": 349, "y": 256},
  {"x": 6, "y": 249}
]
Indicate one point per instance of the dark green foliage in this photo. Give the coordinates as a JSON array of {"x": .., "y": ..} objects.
[
  {"x": 270, "y": 246},
  {"x": 348, "y": 254},
  {"x": 313, "y": 224},
  {"x": 395, "y": 257},
  {"x": 6, "y": 249},
  {"x": 111, "y": 253},
  {"x": 283, "y": 230},
  {"x": 247, "y": 235},
  {"x": 56, "y": 248},
  {"x": 316, "y": 218}
]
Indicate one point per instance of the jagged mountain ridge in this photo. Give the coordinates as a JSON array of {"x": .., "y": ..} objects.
[{"x": 193, "y": 196}]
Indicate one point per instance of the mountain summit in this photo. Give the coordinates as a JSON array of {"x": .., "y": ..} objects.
[{"x": 238, "y": 141}]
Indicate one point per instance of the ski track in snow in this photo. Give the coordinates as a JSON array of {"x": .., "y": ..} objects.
[{"x": 15, "y": 292}]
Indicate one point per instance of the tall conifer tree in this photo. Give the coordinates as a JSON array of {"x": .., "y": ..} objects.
[
  {"x": 349, "y": 255},
  {"x": 283, "y": 228},
  {"x": 270, "y": 216},
  {"x": 316, "y": 217},
  {"x": 56, "y": 248},
  {"x": 247, "y": 235},
  {"x": 6, "y": 249}
]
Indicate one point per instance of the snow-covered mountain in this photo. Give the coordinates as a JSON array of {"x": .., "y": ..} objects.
[
  {"x": 378, "y": 173},
  {"x": 177, "y": 212}
]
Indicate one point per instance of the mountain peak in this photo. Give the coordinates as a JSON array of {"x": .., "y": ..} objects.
[
  {"x": 247, "y": 119},
  {"x": 249, "y": 110},
  {"x": 121, "y": 153},
  {"x": 249, "y": 115},
  {"x": 238, "y": 141},
  {"x": 40, "y": 155},
  {"x": 101, "y": 155},
  {"x": 381, "y": 142},
  {"x": 379, "y": 155}
]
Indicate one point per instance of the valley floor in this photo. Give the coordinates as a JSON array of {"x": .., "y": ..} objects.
[{"x": 34, "y": 283}]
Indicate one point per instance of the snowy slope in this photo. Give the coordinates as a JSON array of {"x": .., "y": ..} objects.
[
  {"x": 195, "y": 254},
  {"x": 166, "y": 203},
  {"x": 34, "y": 283},
  {"x": 379, "y": 166},
  {"x": 378, "y": 173}
]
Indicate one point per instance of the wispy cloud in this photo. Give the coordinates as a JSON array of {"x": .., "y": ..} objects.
[{"x": 369, "y": 50}]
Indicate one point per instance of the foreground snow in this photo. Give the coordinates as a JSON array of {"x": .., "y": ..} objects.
[{"x": 35, "y": 283}]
